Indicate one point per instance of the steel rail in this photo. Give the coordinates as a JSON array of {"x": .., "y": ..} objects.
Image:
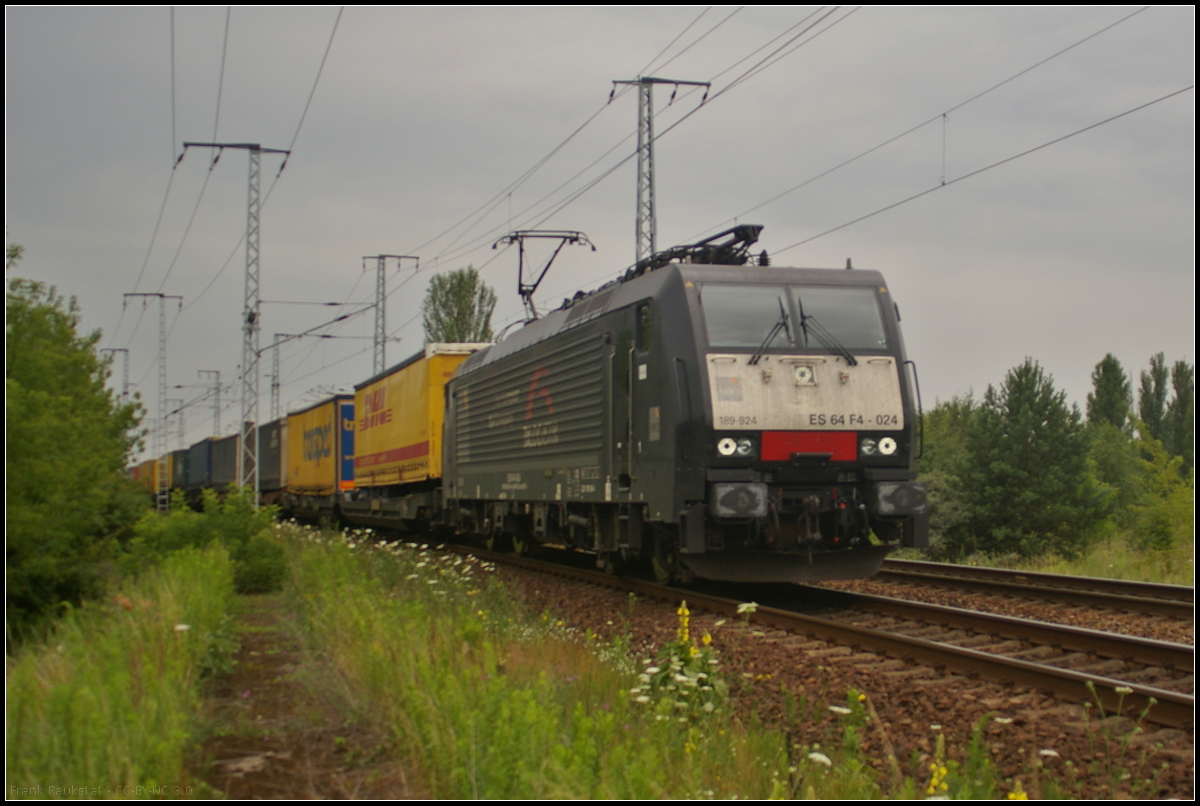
[
  {"x": 1127, "y": 587},
  {"x": 1062, "y": 636},
  {"x": 1140, "y": 597},
  {"x": 1161, "y": 706}
]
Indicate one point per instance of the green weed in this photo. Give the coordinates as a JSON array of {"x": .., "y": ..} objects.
[{"x": 109, "y": 704}]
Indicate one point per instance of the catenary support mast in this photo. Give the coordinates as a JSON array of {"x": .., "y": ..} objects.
[
  {"x": 162, "y": 493},
  {"x": 646, "y": 226},
  {"x": 248, "y": 456}
]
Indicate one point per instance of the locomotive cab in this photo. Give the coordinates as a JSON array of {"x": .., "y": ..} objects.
[
  {"x": 810, "y": 425},
  {"x": 732, "y": 422}
]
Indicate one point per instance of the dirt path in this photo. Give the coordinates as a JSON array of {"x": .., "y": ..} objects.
[{"x": 272, "y": 738}]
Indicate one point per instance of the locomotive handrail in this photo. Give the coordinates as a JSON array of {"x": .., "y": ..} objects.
[{"x": 920, "y": 408}]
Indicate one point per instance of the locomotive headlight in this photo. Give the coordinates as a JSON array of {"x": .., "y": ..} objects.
[
  {"x": 745, "y": 447},
  {"x": 867, "y": 447},
  {"x": 727, "y": 447},
  {"x": 887, "y": 446}
]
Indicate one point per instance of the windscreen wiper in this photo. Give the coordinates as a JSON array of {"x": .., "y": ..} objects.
[
  {"x": 819, "y": 331},
  {"x": 827, "y": 339},
  {"x": 781, "y": 324}
]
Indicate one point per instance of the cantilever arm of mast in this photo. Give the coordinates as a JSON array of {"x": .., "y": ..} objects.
[{"x": 250, "y": 146}]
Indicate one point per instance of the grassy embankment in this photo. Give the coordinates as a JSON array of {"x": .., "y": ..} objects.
[
  {"x": 107, "y": 707},
  {"x": 480, "y": 702},
  {"x": 1115, "y": 559}
]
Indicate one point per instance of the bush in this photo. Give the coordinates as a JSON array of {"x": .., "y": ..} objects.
[
  {"x": 68, "y": 506},
  {"x": 232, "y": 521}
]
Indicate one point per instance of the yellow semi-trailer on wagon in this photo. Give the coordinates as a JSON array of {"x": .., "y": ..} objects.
[
  {"x": 398, "y": 438},
  {"x": 320, "y": 458}
]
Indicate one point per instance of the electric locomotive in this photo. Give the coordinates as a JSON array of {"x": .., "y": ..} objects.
[{"x": 722, "y": 420}]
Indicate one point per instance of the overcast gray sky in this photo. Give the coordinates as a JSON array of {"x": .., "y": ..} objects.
[{"x": 423, "y": 115}]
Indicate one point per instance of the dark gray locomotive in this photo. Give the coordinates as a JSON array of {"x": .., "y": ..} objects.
[{"x": 721, "y": 420}]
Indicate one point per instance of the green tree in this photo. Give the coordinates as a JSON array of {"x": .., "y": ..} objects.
[
  {"x": 1115, "y": 463},
  {"x": 458, "y": 307},
  {"x": 1111, "y": 399},
  {"x": 1026, "y": 479},
  {"x": 1179, "y": 421},
  {"x": 942, "y": 465},
  {"x": 1152, "y": 397},
  {"x": 68, "y": 502},
  {"x": 1164, "y": 515}
]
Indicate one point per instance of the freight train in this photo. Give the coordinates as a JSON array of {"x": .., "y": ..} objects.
[{"x": 707, "y": 417}]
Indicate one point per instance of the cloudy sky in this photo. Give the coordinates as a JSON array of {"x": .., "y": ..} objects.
[{"x": 424, "y": 120}]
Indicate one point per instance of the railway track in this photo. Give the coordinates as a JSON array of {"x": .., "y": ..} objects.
[
  {"x": 1175, "y": 601},
  {"x": 1134, "y": 674}
]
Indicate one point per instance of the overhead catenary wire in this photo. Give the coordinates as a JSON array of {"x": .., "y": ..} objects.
[
  {"x": 481, "y": 212},
  {"x": 291, "y": 148},
  {"x": 173, "y": 141},
  {"x": 764, "y": 63},
  {"x": 216, "y": 156},
  {"x": 535, "y": 220},
  {"x": 932, "y": 119},
  {"x": 939, "y": 116},
  {"x": 671, "y": 44},
  {"x": 487, "y": 207},
  {"x": 978, "y": 171},
  {"x": 170, "y": 181},
  {"x": 191, "y": 219},
  {"x": 712, "y": 97},
  {"x": 699, "y": 39},
  {"x": 759, "y": 66}
]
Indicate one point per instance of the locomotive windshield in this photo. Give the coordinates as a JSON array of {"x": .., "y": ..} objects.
[
  {"x": 851, "y": 315},
  {"x": 744, "y": 315}
]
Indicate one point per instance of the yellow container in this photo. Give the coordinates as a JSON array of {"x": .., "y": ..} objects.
[
  {"x": 399, "y": 413},
  {"x": 147, "y": 474},
  {"x": 317, "y": 440}
]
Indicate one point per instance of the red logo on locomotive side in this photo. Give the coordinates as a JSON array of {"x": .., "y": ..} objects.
[{"x": 539, "y": 373}]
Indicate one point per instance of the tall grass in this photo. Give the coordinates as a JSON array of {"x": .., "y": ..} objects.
[
  {"x": 479, "y": 700},
  {"x": 106, "y": 707},
  {"x": 1116, "y": 559},
  {"x": 486, "y": 703}
]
